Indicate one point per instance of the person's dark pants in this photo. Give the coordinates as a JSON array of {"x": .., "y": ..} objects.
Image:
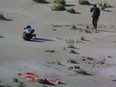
[
  {"x": 33, "y": 35},
  {"x": 94, "y": 22},
  {"x": 28, "y": 37}
]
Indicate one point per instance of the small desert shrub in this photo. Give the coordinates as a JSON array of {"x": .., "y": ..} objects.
[
  {"x": 1, "y": 85},
  {"x": 72, "y": 61},
  {"x": 20, "y": 84},
  {"x": 15, "y": 80},
  {"x": 70, "y": 68},
  {"x": 83, "y": 2},
  {"x": 82, "y": 38},
  {"x": 57, "y": 7},
  {"x": 71, "y": 46},
  {"x": 77, "y": 67},
  {"x": 83, "y": 72},
  {"x": 58, "y": 62},
  {"x": 103, "y": 5},
  {"x": 71, "y": 10},
  {"x": 70, "y": 41},
  {"x": 73, "y": 51},
  {"x": 62, "y": 2},
  {"x": 2, "y": 17},
  {"x": 88, "y": 31},
  {"x": 89, "y": 58},
  {"x": 102, "y": 61},
  {"x": 73, "y": 27},
  {"x": 52, "y": 51}
]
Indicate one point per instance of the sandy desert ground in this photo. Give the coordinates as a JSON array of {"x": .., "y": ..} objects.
[{"x": 58, "y": 51}]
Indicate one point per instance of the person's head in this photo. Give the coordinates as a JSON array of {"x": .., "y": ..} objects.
[
  {"x": 28, "y": 26},
  {"x": 94, "y": 5}
]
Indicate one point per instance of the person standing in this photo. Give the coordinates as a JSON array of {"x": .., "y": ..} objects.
[{"x": 95, "y": 15}]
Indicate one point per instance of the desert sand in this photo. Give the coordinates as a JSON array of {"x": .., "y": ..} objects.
[{"x": 58, "y": 51}]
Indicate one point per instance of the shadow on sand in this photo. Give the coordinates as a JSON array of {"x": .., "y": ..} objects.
[
  {"x": 69, "y": 5},
  {"x": 76, "y": 13},
  {"x": 40, "y": 40},
  {"x": 41, "y": 81},
  {"x": 42, "y": 2},
  {"x": 1, "y": 36},
  {"x": 106, "y": 31},
  {"x": 5, "y": 19},
  {"x": 107, "y": 10}
]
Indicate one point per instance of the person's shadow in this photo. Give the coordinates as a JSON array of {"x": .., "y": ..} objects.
[{"x": 40, "y": 40}]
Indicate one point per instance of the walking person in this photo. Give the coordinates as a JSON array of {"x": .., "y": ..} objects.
[{"x": 95, "y": 15}]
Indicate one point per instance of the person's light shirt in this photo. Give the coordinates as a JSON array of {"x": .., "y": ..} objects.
[{"x": 28, "y": 30}]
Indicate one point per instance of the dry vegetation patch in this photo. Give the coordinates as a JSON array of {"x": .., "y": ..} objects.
[
  {"x": 58, "y": 7},
  {"x": 2, "y": 17},
  {"x": 71, "y": 10},
  {"x": 103, "y": 5},
  {"x": 83, "y": 2},
  {"x": 62, "y": 2}
]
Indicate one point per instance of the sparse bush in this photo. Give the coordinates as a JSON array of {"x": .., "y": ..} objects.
[
  {"x": 2, "y": 17},
  {"x": 88, "y": 31},
  {"x": 102, "y": 61},
  {"x": 1, "y": 85},
  {"x": 73, "y": 27},
  {"x": 58, "y": 62},
  {"x": 83, "y": 72},
  {"x": 70, "y": 68},
  {"x": 57, "y": 7},
  {"x": 82, "y": 38},
  {"x": 72, "y": 61},
  {"x": 62, "y": 2},
  {"x": 15, "y": 80},
  {"x": 71, "y": 10},
  {"x": 73, "y": 51},
  {"x": 77, "y": 67},
  {"x": 52, "y": 51},
  {"x": 83, "y": 2},
  {"x": 71, "y": 46},
  {"x": 20, "y": 84},
  {"x": 89, "y": 58},
  {"x": 103, "y": 5},
  {"x": 70, "y": 41},
  {"x": 64, "y": 48}
]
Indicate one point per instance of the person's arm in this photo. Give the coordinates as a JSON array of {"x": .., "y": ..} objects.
[
  {"x": 98, "y": 12},
  {"x": 91, "y": 9}
]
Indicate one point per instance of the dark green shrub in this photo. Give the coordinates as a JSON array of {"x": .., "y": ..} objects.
[
  {"x": 77, "y": 67},
  {"x": 2, "y": 86},
  {"x": 15, "y": 80},
  {"x": 83, "y": 2},
  {"x": 72, "y": 61},
  {"x": 21, "y": 84},
  {"x": 2, "y": 17},
  {"x": 62, "y": 2},
  {"x": 71, "y": 10},
  {"x": 83, "y": 72},
  {"x": 57, "y": 7},
  {"x": 103, "y": 5}
]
